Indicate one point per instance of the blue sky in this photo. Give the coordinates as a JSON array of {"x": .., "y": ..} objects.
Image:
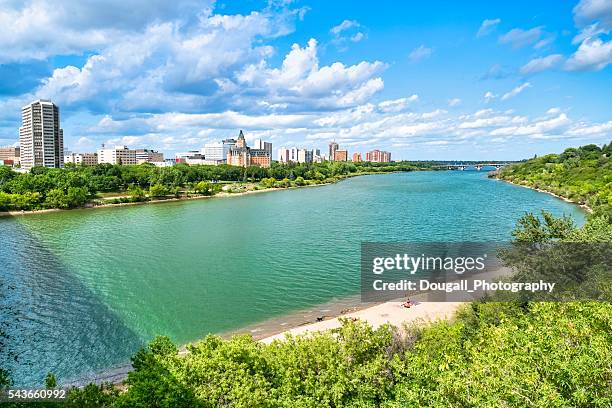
[{"x": 425, "y": 80}]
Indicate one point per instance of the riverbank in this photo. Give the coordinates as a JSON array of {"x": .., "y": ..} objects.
[
  {"x": 393, "y": 313},
  {"x": 567, "y": 200},
  {"x": 222, "y": 194}
]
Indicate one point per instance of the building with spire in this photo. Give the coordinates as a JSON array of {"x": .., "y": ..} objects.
[{"x": 242, "y": 155}]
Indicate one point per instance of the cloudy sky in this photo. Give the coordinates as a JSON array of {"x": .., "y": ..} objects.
[{"x": 425, "y": 80}]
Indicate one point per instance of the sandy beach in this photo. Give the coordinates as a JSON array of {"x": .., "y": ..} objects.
[{"x": 389, "y": 312}]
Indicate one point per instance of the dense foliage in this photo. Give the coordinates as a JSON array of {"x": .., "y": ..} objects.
[
  {"x": 76, "y": 185},
  {"x": 583, "y": 175}
]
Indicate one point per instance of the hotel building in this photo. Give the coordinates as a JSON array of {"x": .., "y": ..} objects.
[
  {"x": 41, "y": 139},
  {"x": 242, "y": 155}
]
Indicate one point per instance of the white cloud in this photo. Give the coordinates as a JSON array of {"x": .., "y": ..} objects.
[
  {"x": 454, "y": 102},
  {"x": 343, "y": 26},
  {"x": 592, "y": 55},
  {"x": 301, "y": 80},
  {"x": 541, "y": 64},
  {"x": 516, "y": 91},
  {"x": 489, "y": 96},
  {"x": 397, "y": 105},
  {"x": 587, "y": 11},
  {"x": 585, "y": 129},
  {"x": 345, "y": 32},
  {"x": 357, "y": 37},
  {"x": 487, "y": 27},
  {"x": 420, "y": 53},
  {"x": 38, "y": 29},
  {"x": 519, "y": 38},
  {"x": 537, "y": 128}
]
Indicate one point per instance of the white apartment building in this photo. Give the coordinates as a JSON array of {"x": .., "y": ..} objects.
[
  {"x": 40, "y": 137},
  {"x": 304, "y": 156},
  {"x": 117, "y": 155},
  {"x": 85, "y": 159},
  {"x": 295, "y": 155},
  {"x": 218, "y": 150}
]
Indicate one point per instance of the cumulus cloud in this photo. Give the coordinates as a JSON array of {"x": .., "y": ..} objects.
[
  {"x": 541, "y": 64},
  {"x": 38, "y": 29},
  {"x": 516, "y": 91},
  {"x": 487, "y": 27},
  {"x": 301, "y": 80},
  {"x": 587, "y": 11},
  {"x": 592, "y": 55},
  {"x": 420, "y": 53}
]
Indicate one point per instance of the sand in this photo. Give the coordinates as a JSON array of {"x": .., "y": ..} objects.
[{"x": 389, "y": 312}]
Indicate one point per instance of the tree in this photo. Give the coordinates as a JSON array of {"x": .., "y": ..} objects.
[
  {"x": 204, "y": 188},
  {"x": 50, "y": 381},
  {"x": 158, "y": 190}
]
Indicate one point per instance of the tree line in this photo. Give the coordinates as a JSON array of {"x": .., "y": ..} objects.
[{"x": 74, "y": 186}]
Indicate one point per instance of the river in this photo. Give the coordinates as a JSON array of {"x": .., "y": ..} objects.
[{"x": 83, "y": 290}]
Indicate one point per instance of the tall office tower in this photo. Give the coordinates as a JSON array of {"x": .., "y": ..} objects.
[
  {"x": 40, "y": 137},
  {"x": 333, "y": 146}
]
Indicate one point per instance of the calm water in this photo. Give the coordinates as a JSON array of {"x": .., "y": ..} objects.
[{"x": 83, "y": 290}]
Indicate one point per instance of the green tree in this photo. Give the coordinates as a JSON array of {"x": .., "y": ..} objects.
[{"x": 158, "y": 190}]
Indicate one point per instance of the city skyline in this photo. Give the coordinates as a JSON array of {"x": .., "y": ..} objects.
[{"x": 500, "y": 84}]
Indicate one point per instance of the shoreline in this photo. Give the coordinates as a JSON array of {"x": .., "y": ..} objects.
[
  {"x": 222, "y": 194},
  {"x": 585, "y": 207},
  {"x": 377, "y": 314}
]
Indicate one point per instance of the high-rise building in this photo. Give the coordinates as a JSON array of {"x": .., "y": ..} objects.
[
  {"x": 283, "y": 155},
  {"x": 333, "y": 146},
  {"x": 304, "y": 156},
  {"x": 40, "y": 137},
  {"x": 341, "y": 155},
  {"x": 378, "y": 156},
  {"x": 356, "y": 157},
  {"x": 218, "y": 150}
]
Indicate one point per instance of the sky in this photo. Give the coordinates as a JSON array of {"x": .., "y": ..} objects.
[{"x": 440, "y": 80}]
